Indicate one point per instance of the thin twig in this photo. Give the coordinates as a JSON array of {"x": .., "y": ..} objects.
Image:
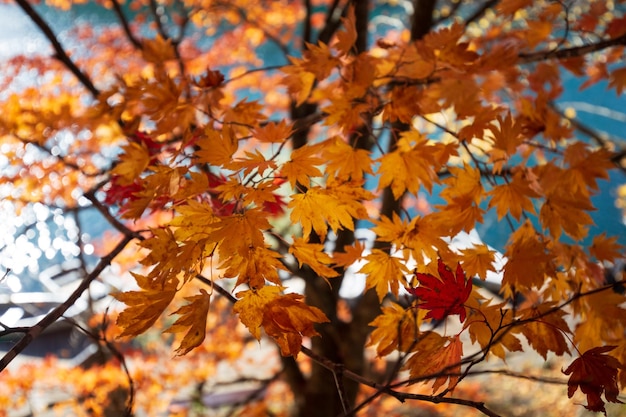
[{"x": 55, "y": 314}]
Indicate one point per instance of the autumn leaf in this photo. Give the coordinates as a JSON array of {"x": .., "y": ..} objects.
[
  {"x": 216, "y": 147},
  {"x": 484, "y": 324},
  {"x": 443, "y": 296},
  {"x": 273, "y": 132},
  {"x": 157, "y": 50},
  {"x": 288, "y": 319},
  {"x": 193, "y": 321},
  {"x": 605, "y": 248},
  {"x": 395, "y": 329},
  {"x": 313, "y": 255},
  {"x": 251, "y": 305},
  {"x": 547, "y": 332},
  {"x": 478, "y": 260},
  {"x": 144, "y": 307},
  {"x": 302, "y": 166},
  {"x": 345, "y": 161},
  {"x": 439, "y": 358},
  {"x": 595, "y": 373},
  {"x": 384, "y": 272},
  {"x": 347, "y": 36},
  {"x": 133, "y": 161}
]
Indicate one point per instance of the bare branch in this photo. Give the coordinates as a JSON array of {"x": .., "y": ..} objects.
[
  {"x": 573, "y": 52},
  {"x": 124, "y": 22},
  {"x": 55, "y": 314},
  {"x": 60, "y": 53}
]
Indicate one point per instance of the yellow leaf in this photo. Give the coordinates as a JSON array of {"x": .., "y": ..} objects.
[
  {"x": 145, "y": 306},
  {"x": 319, "y": 61},
  {"x": 253, "y": 267},
  {"x": 346, "y": 162},
  {"x": 299, "y": 81},
  {"x": 350, "y": 254},
  {"x": 484, "y": 322},
  {"x": 301, "y": 167},
  {"x": 414, "y": 163},
  {"x": 193, "y": 321},
  {"x": 514, "y": 197},
  {"x": 314, "y": 256},
  {"x": 546, "y": 334},
  {"x": 216, "y": 147},
  {"x": 251, "y": 305},
  {"x": 284, "y": 317},
  {"x": 133, "y": 161},
  {"x": 395, "y": 329},
  {"x": 478, "y": 260},
  {"x": 337, "y": 206},
  {"x": 528, "y": 259},
  {"x": 384, "y": 272}
]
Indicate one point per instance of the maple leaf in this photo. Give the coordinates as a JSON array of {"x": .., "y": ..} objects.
[
  {"x": 314, "y": 256},
  {"x": 513, "y": 197},
  {"x": 193, "y": 320},
  {"x": 350, "y": 254},
  {"x": 605, "y": 248},
  {"x": 216, "y": 147},
  {"x": 337, "y": 206},
  {"x": 484, "y": 324},
  {"x": 437, "y": 357},
  {"x": 157, "y": 50},
  {"x": 384, "y": 272},
  {"x": 284, "y": 317},
  {"x": 396, "y": 328},
  {"x": 445, "y": 295},
  {"x": 145, "y": 306},
  {"x": 345, "y": 161},
  {"x": 346, "y": 37},
  {"x": 546, "y": 334},
  {"x": 273, "y": 132},
  {"x": 478, "y": 260},
  {"x": 319, "y": 60},
  {"x": 618, "y": 80},
  {"x": 595, "y": 373},
  {"x": 251, "y": 305},
  {"x": 299, "y": 81},
  {"x": 415, "y": 162},
  {"x": 133, "y": 161},
  {"x": 301, "y": 166},
  {"x": 288, "y": 319}
]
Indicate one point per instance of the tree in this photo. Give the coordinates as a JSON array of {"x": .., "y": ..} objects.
[{"x": 250, "y": 139}]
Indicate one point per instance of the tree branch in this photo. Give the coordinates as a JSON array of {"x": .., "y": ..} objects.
[
  {"x": 55, "y": 314},
  {"x": 60, "y": 53},
  {"x": 573, "y": 52},
  {"x": 124, "y": 22}
]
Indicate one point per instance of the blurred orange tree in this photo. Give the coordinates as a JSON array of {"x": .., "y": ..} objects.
[{"x": 236, "y": 146}]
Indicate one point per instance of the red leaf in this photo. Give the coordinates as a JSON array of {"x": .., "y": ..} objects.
[
  {"x": 595, "y": 372},
  {"x": 445, "y": 295}
]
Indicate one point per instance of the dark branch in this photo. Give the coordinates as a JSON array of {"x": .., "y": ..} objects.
[
  {"x": 58, "y": 312},
  {"x": 60, "y": 53},
  {"x": 573, "y": 52}
]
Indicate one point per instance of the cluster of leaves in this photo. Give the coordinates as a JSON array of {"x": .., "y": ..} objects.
[{"x": 466, "y": 109}]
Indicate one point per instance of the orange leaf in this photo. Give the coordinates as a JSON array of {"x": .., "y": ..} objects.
[
  {"x": 301, "y": 166},
  {"x": 314, "y": 256},
  {"x": 347, "y": 36},
  {"x": 434, "y": 359},
  {"x": 595, "y": 372},
  {"x": 383, "y": 272},
  {"x": 133, "y": 161},
  {"x": 145, "y": 306},
  {"x": 605, "y": 248},
  {"x": 193, "y": 320},
  {"x": 395, "y": 329}
]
